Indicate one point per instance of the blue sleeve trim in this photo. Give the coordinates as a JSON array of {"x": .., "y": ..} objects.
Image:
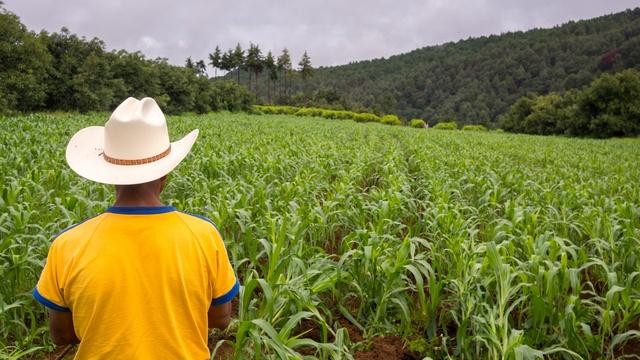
[
  {"x": 205, "y": 219},
  {"x": 228, "y": 296},
  {"x": 48, "y": 303}
]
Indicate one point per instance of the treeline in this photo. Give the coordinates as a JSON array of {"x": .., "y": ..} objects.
[
  {"x": 251, "y": 63},
  {"x": 609, "y": 106},
  {"x": 61, "y": 71},
  {"x": 478, "y": 79}
]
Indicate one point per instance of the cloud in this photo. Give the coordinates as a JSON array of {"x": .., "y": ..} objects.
[
  {"x": 148, "y": 43},
  {"x": 332, "y": 31}
]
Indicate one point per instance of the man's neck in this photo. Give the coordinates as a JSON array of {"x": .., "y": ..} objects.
[
  {"x": 137, "y": 203},
  {"x": 132, "y": 200}
]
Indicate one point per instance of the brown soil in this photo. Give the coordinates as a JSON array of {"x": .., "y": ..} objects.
[
  {"x": 384, "y": 347},
  {"x": 60, "y": 353},
  {"x": 308, "y": 329},
  {"x": 631, "y": 346},
  {"x": 354, "y": 333}
]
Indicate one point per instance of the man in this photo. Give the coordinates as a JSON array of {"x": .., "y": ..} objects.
[{"x": 142, "y": 280}]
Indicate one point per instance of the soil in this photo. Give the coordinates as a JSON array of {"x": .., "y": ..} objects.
[
  {"x": 384, "y": 347},
  {"x": 60, "y": 353}
]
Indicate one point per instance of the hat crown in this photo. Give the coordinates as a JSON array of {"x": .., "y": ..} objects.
[{"x": 137, "y": 129}]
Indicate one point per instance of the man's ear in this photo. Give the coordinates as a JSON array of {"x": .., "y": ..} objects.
[{"x": 163, "y": 183}]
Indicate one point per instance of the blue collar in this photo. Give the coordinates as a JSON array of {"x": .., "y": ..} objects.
[{"x": 140, "y": 210}]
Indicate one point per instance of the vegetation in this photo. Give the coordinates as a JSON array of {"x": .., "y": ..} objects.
[
  {"x": 390, "y": 120},
  {"x": 466, "y": 245},
  {"x": 609, "y": 106},
  {"x": 418, "y": 123},
  {"x": 327, "y": 113},
  {"x": 479, "y": 78},
  {"x": 446, "y": 125},
  {"x": 474, "y": 128},
  {"x": 61, "y": 71}
]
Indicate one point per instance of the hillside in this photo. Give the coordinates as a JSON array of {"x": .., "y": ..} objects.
[{"x": 476, "y": 80}]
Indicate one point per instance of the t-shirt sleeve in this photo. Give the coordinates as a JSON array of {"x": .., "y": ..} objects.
[
  {"x": 225, "y": 283},
  {"x": 49, "y": 290}
]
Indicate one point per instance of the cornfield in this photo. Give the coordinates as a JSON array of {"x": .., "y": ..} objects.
[{"x": 472, "y": 245}]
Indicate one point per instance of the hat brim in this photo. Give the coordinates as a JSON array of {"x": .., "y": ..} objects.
[{"x": 84, "y": 156}]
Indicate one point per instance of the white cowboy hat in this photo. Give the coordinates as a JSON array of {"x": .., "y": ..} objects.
[{"x": 132, "y": 148}]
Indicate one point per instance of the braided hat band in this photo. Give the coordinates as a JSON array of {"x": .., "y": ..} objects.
[{"x": 150, "y": 159}]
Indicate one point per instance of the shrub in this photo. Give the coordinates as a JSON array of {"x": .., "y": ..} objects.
[
  {"x": 391, "y": 120},
  {"x": 447, "y": 125},
  {"x": 418, "y": 123},
  {"x": 474, "y": 128},
  {"x": 276, "y": 110},
  {"x": 309, "y": 112},
  {"x": 365, "y": 117}
]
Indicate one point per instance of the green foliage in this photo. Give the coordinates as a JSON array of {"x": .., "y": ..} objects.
[
  {"x": 277, "y": 110},
  {"x": 447, "y": 125},
  {"x": 478, "y": 79},
  {"x": 487, "y": 247},
  {"x": 609, "y": 106},
  {"x": 418, "y": 123},
  {"x": 309, "y": 112},
  {"x": 325, "y": 113},
  {"x": 61, "y": 71},
  {"x": 24, "y": 63},
  {"x": 391, "y": 120},
  {"x": 474, "y": 128}
]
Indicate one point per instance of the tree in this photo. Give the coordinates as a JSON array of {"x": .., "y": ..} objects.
[
  {"x": 189, "y": 64},
  {"x": 305, "y": 68},
  {"x": 214, "y": 60},
  {"x": 24, "y": 66},
  {"x": 254, "y": 63},
  {"x": 285, "y": 67},
  {"x": 201, "y": 68},
  {"x": 270, "y": 65},
  {"x": 237, "y": 59},
  {"x": 226, "y": 61}
]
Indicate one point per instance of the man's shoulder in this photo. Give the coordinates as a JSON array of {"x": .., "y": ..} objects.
[
  {"x": 78, "y": 230},
  {"x": 199, "y": 222}
]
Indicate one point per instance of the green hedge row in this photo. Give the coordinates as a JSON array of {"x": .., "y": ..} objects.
[
  {"x": 358, "y": 117},
  {"x": 327, "y": 113}
]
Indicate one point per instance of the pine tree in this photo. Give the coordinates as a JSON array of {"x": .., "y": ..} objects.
[
  {"x": 254, "y": 63},
  {"x": 201, "y": 68},
  {"x": 214, "y": 60},
  {"x": 238, "y": 59},
  {"x": 305, "y": 68},
  {"x": 270, "y": 65},
  {"x": 285, "y": 67},
  {"x": 189, "y": 64}
]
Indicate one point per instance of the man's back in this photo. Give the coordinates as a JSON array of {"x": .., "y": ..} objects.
[{"x": 139, "y": 282}]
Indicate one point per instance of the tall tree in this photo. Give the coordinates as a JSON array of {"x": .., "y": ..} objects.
[
  {"x": 201, "y": 68},
  {"x": 226, "y": 61},
  {"x": 254, "y": 63},
  {"x": 285, "y": 67},
  {"x": 214, "y": 59},
  {"x": 272, "y": 74},
  {"x": 238, "y": 59},
  {"x": 305, "y": 68},
  {"x": 189, "y": 64}
]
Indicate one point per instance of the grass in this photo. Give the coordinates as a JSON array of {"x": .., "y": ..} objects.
[{"x": 468, "y": 245}]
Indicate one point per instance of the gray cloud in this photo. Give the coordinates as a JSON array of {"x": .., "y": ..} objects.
[{"x": 333, "y": 31}]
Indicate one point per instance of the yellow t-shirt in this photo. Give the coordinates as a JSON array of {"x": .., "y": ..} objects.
[{"x": 139, "y": 282}]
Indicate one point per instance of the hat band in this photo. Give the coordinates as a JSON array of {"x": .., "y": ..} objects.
[{"x": 137, "y": 161}]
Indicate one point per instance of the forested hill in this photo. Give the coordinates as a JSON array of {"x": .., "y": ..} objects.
[{"x": 475, "y": 80}]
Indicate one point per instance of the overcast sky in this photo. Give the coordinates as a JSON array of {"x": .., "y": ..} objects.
[{"x": 332, "y": 31}]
